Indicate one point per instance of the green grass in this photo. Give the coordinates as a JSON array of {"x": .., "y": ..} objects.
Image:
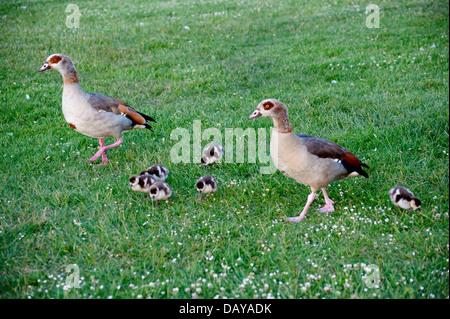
[{"x": 389, "y": 106}]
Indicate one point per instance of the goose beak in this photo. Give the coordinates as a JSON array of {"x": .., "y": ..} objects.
[
  {"x": 256, "y": 113},
  {"x": 46, "y": 66},
  {"x": 152, "y": 197},
  {"x": 200, "y": 193}
]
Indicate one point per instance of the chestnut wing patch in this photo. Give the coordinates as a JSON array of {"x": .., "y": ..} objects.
[
  {"x": 131, "y": 113},
  {"x": 327, "y": 149},
  {"x": 134, "y": 115},
  {"x": 107, "y": 104}
]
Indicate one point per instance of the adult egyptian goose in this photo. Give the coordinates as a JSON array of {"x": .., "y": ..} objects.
[
  {"x": 404, "y": 198},
  {"x": 206, "y": 185},
  {"x": 95, "y": 115},
  {"x": 141, "y": 183},
  {"x": 212, "y": 153},
  {"x": 157, "y": 171},
  {"x": 309, "y": 160},
  {"x": 160, "y": 191}
]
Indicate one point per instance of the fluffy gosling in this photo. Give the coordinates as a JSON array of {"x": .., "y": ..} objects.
[
  {"x": 157, "y": 171},
  {"x": 212, "y": 153},
  {"x": 206, "y": 185},
  {"x": 141, "y": 183},
  {"x": 404, "y": 198},
  {"x": 160, "y": 191}
]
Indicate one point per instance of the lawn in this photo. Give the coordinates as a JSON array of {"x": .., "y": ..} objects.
[{"x": 380, "y": 92}]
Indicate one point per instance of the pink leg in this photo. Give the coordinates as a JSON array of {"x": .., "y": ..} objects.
[
  {"x": 103, "y": 149},
  {"x": 305, "y": 209},
  {"x": 104, "y": 158},
  {"x": 328, "y": 208}
]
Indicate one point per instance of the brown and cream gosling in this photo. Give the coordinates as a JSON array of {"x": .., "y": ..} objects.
[
  {"x": 206, "y": 185},
  {"x": 212, "y": 153},
  {"x": 141, "y": 183},
  {"x": 404, "y": 198},
  {"x": 157, "y": 171},
  {"x": 160, "y": 191},
  {"x": 309, "y": 160}
]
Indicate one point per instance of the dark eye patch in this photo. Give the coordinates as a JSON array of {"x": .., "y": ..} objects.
[
  {"x": 55, "y": 59},
  {"x": 268, "y": 105}
]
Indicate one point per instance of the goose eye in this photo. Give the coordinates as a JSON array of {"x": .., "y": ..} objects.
[{"x": 266, "y": 106}]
